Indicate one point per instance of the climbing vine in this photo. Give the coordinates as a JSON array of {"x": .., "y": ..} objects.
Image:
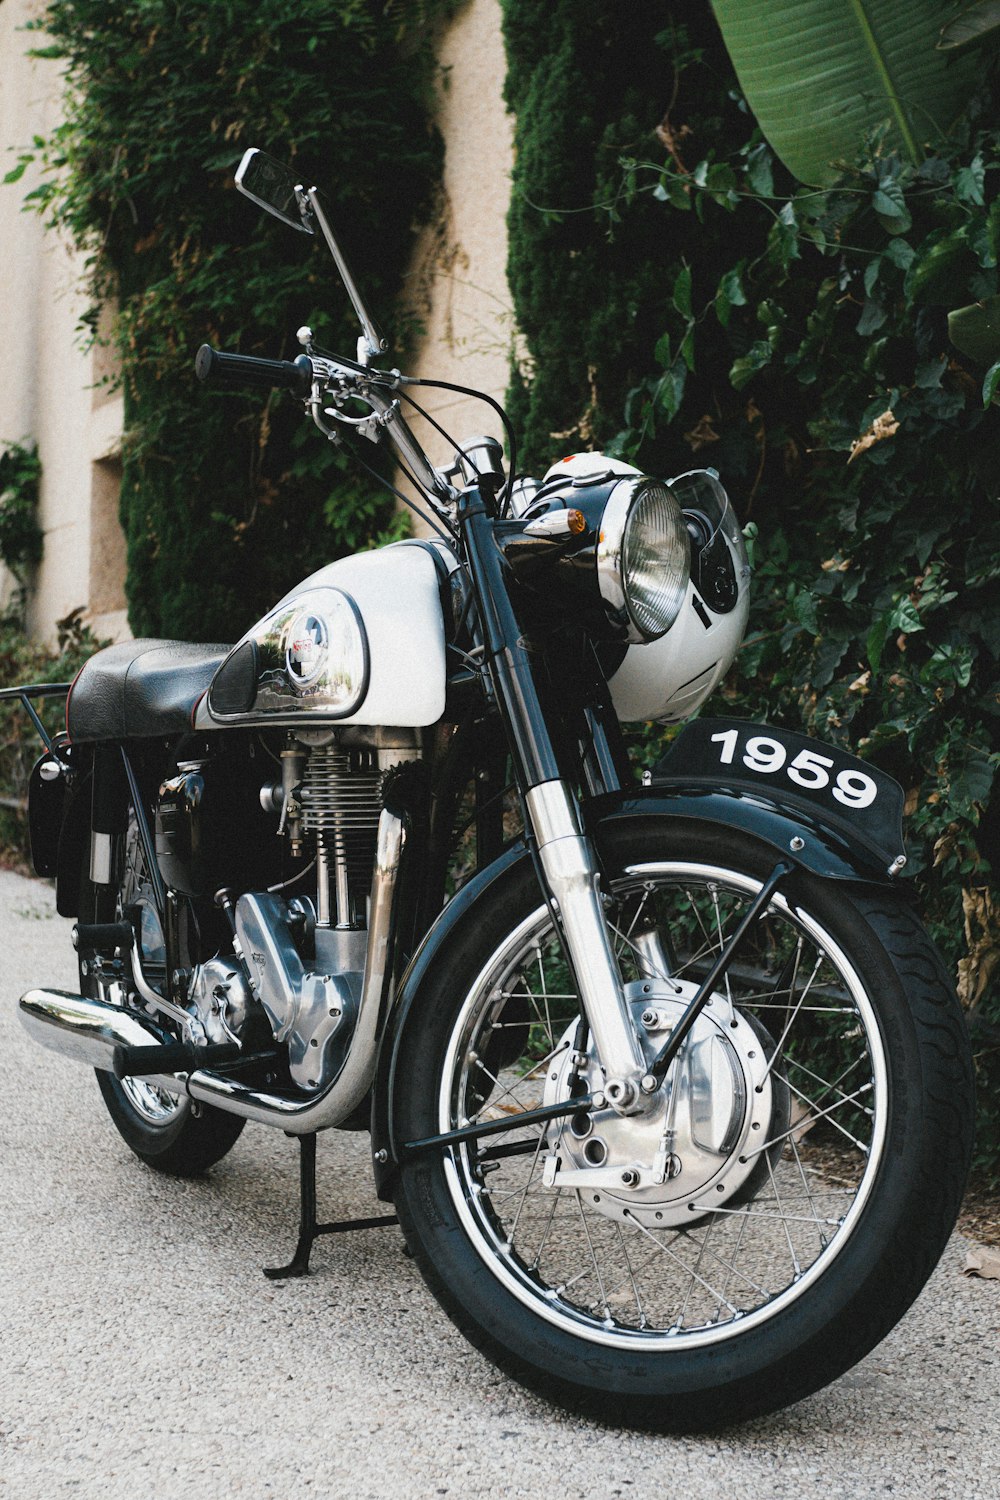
[
  {"x": 228, "y": 499},
  {"x": 796, "y": 340}
]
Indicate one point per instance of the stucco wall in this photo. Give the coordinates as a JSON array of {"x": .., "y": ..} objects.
[
  {"x": 53, "y": 395},
  {"x": 459, "y": 277},
  {"x": 48, "y": 394}
]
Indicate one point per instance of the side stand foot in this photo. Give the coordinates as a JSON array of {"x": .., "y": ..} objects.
[{"x": 309, "y": 1229}]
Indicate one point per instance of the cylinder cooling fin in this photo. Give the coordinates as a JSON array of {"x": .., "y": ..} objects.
[{"x": 341, "y": 802}]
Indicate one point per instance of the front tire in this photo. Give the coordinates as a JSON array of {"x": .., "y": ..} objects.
[{"x": 802, "y": 1211}]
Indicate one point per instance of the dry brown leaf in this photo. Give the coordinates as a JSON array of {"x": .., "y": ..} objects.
[
  {"x": 983, "y": 1261},
  {"x": 701, "y": 434},
  {"x": 882, "y": 427},
  {"x": 981, "y": 913}
]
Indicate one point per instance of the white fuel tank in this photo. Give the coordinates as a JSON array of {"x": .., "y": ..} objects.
[{"x": 361, "y": 641}]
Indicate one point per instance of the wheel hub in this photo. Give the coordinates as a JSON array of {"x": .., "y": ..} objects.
[{"x": 698, "y": 1141}]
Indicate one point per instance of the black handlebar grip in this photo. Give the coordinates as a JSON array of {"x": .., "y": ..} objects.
[{"x": 254, "y": 374}]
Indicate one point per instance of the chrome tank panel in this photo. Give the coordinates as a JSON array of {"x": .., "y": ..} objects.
[{"x": 395, "y": 594}]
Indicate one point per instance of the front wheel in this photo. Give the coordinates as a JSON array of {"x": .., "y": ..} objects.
[{"x": 769, "y": 1218}]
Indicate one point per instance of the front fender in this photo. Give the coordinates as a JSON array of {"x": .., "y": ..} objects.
[{"x": 793, "y": 832}]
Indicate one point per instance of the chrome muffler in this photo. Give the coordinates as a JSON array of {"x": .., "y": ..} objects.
[{"x": 89, "y": 1031}]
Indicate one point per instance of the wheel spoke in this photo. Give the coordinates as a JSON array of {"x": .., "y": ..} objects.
[{"x": 730, "y": 1232}]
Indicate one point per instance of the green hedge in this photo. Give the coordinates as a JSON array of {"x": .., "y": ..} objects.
[
  {"x": 227, "y": 500},
  {"x": 796, "y": 340}
]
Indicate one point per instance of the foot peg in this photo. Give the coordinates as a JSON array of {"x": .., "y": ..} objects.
[
  {"x": 102, "y": 937},
  {"x": 172, "y": 1057}
]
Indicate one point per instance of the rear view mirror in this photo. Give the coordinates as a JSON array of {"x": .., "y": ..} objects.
[{"x": 274, "y": 186}]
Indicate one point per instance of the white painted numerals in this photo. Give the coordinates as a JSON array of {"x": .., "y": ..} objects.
[{"x": 808, "y": 769}]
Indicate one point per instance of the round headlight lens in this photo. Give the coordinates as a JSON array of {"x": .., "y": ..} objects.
[{"x": 644, "y": 557}]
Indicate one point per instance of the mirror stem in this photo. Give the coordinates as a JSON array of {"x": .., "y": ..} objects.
[{"x": 371, "y": 344}]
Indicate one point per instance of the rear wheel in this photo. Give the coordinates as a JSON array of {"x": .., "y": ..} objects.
[
  {"x": 769, "y": 1219},
  {"x": 163, "y": 1129}
]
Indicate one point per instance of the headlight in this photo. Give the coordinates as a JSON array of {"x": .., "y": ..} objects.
[{"x": 643, "y": 557}]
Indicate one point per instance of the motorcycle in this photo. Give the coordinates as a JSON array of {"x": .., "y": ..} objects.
[{"x": 669, "y": 1090}]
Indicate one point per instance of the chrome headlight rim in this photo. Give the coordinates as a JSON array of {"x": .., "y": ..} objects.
[{"x": 612, "y": 560}]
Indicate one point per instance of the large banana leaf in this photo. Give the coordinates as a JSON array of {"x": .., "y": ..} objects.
[{"x": 820, "y": 75}]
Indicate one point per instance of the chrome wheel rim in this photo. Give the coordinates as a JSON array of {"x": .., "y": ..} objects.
[
  {"x": 155, "y": 1105},
  {"x": 626, "y": 1284}
]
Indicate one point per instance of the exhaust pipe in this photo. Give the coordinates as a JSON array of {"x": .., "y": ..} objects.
[
  {"x": 90, "y": 1031},
  {"x": 93, "y": 1032},
  {"x": 304, "y": 1116}
]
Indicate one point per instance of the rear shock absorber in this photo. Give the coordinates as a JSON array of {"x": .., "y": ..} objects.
[{"x": 341, "y": 802}]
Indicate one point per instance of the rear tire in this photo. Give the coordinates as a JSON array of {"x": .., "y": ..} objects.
[
  {"x": 163, "y": 1130},
  {"x": 179, "y": 1143},
  {"x": 714, "y": 1314}
]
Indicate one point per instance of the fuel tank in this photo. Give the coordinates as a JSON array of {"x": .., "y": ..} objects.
[{"x": 361, "y": 641}]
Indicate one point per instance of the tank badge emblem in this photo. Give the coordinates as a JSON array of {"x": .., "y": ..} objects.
[{"x": 306, "y": 649}]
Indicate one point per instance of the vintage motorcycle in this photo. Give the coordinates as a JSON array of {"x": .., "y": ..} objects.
[{"x": 670, "y": 1092}]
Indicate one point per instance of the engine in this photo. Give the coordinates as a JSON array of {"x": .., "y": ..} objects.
[{"x": 280, "y": 836}]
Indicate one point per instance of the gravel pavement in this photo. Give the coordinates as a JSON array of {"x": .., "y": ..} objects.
[{"x": 143, "y": 1354}]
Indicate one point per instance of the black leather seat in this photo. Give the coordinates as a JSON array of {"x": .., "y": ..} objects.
[{"x": 139, "y": 689}]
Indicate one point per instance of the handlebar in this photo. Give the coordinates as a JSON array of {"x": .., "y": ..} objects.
[
  {"x": 344, "y": 377},
  {"x": 254, "y": 374}
]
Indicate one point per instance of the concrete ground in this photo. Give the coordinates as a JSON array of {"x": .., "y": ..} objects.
[{"x": 143, "y": 1354}]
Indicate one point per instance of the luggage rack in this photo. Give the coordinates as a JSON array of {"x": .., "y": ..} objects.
[{"x": 24, "y": 696}]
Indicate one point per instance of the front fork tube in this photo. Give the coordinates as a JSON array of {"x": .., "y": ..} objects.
[
  {"x": 571, "y": 875},
  {"x": 567, "y": 859}
]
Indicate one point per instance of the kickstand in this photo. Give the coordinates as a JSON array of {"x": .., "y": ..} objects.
[{"x": 309, "y": 1230}]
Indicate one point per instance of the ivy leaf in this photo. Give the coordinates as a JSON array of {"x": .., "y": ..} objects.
[
  {"x": 991, "y": 382},
  {"x": 783, "y": 240},
  {"x": 682, "y": 292},
  {"x": 872, "y": 317},
  {"x": 889, "y": 203},
  {"x": 759, "y": 174},
  {"x": 928, "y": 375},
  {"x": 875, "y": 643},
  {"x": 16, "y": 173},
  {"x": 900, "y": 252},
  {"x": 905, "y": 618},
  {"x": 970, "y": 181},
  {"x": 746, "y": 367},
  {"x": 670, "y": 389},
  {"x": 730, "y": 293},
  {"x": 971, "y": 782}
]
